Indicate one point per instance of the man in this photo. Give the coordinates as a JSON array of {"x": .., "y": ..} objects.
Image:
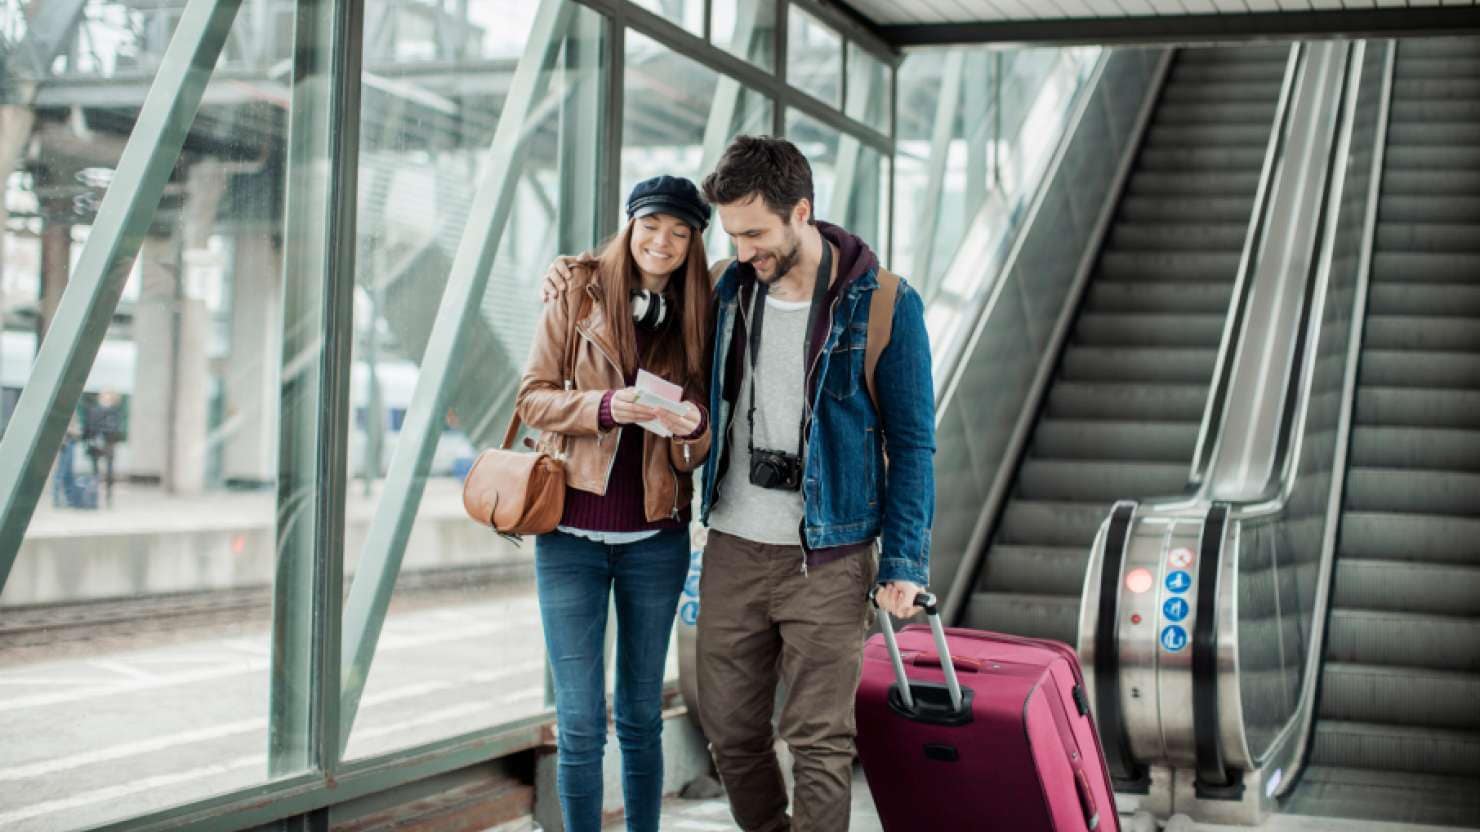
[{"x": 797, "y": 489}]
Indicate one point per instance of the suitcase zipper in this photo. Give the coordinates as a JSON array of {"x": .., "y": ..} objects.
[{"x": 1070, "y": 743}]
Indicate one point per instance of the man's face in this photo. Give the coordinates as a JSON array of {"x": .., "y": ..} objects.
[{"x": 768, "y": 243}]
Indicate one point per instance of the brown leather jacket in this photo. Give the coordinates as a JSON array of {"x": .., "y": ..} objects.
[{"x": 574, "y": 414}]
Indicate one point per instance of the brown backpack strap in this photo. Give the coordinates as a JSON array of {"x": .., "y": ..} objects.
[{"x": 880, "y": 328}]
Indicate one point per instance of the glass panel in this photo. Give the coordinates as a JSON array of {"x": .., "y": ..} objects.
[
  {"x": 814, "y": 56},
  {"x": 746, "y": 29},
  {"x": 869, "y": 94},
  {"x": 461, "y": 648},
  {"x": 679, "y": 117},
  {"x": 686, "y": 13},
  {"x": 134, "y": 658},
  {"x": 850, "y": 178}
]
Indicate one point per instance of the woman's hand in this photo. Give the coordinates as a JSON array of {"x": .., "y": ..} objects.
[
  {"x": 681, "y": 425},
  {"x": 626, "y": 410}
]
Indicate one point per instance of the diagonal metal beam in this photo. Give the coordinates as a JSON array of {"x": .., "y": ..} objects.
[
  {"x": 66, "y": 355},
  {"x": 385, "y": 545},
  {"x": 48, "y": 32}
]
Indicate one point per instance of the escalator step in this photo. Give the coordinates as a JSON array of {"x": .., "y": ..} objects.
[
  {"x": 1425, "y": 267},
  {"x": 1168, "y": 442},
  {"x": 1434, "y": 133},
  {"x": 1036, "y": 616},
  {"x": 1182, "y": 212},
  {"x": 1214, "y": 135},
  {"x": 1461, "y": 88},
  {"x": 1418, "y": 368},
  {"x": 1206, "y": 158},
  {"x": 1431, "y": 448},
  {"x": 1199, "y": 237},
  {"x": 1260, "y": 113},
  {"x": 1413, "y": 298},
  {"x": 1427, "y": 183},
  {"x": 1378, "y": 694},
  {"x": 1403, "y": 639},
  {"x": 1450, "y": 237},
  {"x": 1430, "y": 538},
  {"x": 1256, "y": 91},
  {"x": 1453, "y": 47},
  {"x": 1421, "y": 332},
  {"x": 1045, "y": 523},
  {"x": 1397, "y": 585},
  {"x": 1432, "y": 158},
  {"x": 1440, "y": 110},
  {"x": 1394, "y": 796},
  {"x": 1055, "y": 479},
  {"x": 1190, "y": 365},
  {"x": 1222, "y": 56},
  {"x": 1432, "y": 208},
  {"x": 1189, "y": 297},
  {"x": 1425, "y": 67},
  {"x": 1237, "y": 183},
  {"x": 1398, "y": 490},
  {"x": 1396, "y": 747},
  {"x": 1269, "y": 71},
  {"x": 1150, "y": 265},
  {"x": 1154, "y": 402},
  {"x": 1054, "y": 570},
  {"x": 1149, "y": 330}
]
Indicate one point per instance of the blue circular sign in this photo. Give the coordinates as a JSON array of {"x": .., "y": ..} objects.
[
  {"x": 689, "y": 612},
  {"x": 691, "y": 586},
  {"x": 1179, "y": 581},
  {"x": 1176, "y": 609},
  {"x": 1173, "y": 638}
]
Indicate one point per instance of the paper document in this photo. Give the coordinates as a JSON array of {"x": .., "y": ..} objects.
[{"x": 653, "y": 391}]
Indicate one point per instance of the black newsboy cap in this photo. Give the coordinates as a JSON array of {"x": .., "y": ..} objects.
[{"x": 668, "y": 195}]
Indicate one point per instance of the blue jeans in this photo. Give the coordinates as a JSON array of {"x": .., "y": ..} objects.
[{"x": 576, "y": 577}]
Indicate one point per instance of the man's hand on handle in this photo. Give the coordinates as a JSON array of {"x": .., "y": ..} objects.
[
  {"x": 557, "y": 279},
  {"x": 898, "y": 598}
]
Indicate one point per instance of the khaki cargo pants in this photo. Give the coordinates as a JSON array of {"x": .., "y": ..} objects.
[{"x": 762, "y": 620}]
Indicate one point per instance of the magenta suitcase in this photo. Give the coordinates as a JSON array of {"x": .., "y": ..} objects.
[{"x": 1020, "y": 755}]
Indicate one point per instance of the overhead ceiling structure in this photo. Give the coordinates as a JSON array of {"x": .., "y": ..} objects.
[{"x": 905, "y": 23}]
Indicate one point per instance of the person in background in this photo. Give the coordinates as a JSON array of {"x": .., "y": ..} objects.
[
  {"x": 103, "y": 429},
  {"x": 644, "y": 304}
]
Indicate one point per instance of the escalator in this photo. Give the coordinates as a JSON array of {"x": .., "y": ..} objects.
[
  {"x": 1397, "y": 732},
  {"x": 1122, "y": 414}
]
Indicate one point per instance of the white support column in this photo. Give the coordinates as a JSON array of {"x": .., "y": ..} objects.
[
  {"x": 249, "y": 430},
  {"x": 15, "y": 132}
]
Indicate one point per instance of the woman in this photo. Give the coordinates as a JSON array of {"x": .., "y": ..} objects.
[{"x": 644, "y": 305}]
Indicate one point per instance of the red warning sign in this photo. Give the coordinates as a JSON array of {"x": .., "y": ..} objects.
[{"x": 1181, "y": 558}]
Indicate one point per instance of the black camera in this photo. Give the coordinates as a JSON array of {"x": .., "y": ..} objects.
[{"x": 775, "y": 469}]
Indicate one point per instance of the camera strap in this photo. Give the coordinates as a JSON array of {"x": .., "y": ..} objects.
[{"x": 757, "y": 318}]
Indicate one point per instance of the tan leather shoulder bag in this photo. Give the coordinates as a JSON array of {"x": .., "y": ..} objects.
[{"x": 520, "y": 492}]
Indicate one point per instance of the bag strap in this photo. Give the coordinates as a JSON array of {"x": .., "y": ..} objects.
[
  {"x": 568, "y": 370},
  {"x": 880, "y": 328}
]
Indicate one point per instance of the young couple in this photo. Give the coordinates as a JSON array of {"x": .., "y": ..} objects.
[{"x": 795, "y": 492}]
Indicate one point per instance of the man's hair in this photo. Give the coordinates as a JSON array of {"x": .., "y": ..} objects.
[{"x": 764, "y": 166}]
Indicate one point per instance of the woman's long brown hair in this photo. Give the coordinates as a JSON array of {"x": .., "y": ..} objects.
[{"x": 678, "y": 353}]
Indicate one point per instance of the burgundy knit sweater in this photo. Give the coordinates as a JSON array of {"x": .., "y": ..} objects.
[{"x": 621, "y": 509}]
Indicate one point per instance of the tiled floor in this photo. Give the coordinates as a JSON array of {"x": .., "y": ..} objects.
[{"x": 714, "y": 815}]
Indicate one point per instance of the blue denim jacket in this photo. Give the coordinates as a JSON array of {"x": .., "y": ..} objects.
[{"x": 850, "y": 495}]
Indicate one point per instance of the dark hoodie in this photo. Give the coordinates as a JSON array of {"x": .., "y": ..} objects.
[{"x": 855, "y": 259}]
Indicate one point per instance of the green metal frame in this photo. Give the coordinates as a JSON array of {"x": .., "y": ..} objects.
[
  {"x": 318, "y": 332},
  {"x": 66, "y": 356}
]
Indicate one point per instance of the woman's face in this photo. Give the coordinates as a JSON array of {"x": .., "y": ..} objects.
[{"x": 660, "y": 243}]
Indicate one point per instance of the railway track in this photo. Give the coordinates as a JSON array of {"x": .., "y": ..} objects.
[{"x": 50, "y": 624}]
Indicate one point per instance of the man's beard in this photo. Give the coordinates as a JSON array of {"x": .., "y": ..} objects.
[{"x": 784, "y": 261}]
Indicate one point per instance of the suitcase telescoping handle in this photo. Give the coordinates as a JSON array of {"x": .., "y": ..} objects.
[{"x": 926, "y": 601}]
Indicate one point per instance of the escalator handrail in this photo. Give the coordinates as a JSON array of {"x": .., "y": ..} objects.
[
  {"x": 1210, "y": 430},
  {"x": 1304, "y": 718}
]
